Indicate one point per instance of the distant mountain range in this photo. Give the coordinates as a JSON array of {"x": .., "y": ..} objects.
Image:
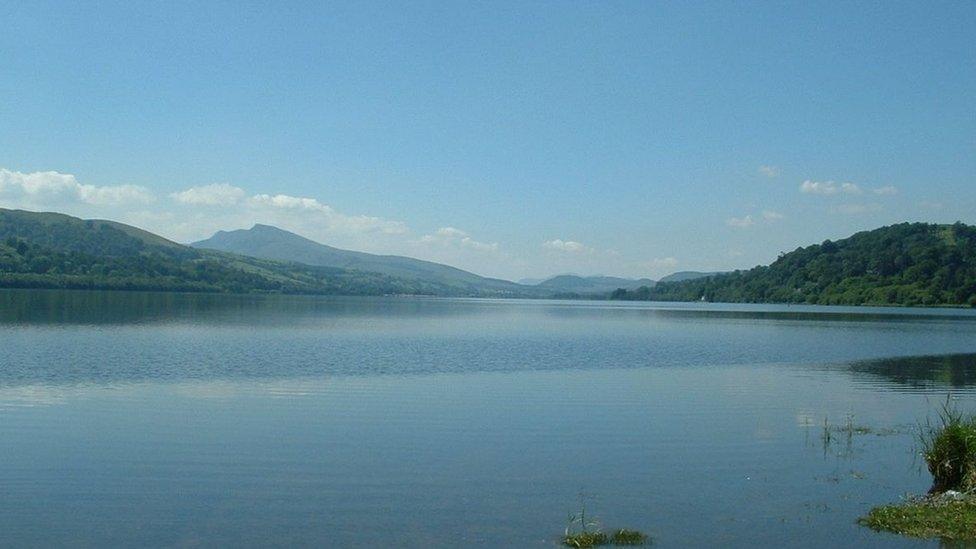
[
  {"x": 52, "y": 250},
  {"x": 915, "y": 264},
  {"x": 267, "y": 242},
  {"x": 905, "y": 264},
  {"x": 590, "y": 285}
]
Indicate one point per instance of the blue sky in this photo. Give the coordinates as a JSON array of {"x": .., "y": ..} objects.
[{"x": 512, "y": 139}]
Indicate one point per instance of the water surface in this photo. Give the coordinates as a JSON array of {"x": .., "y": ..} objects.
[{"x": 159, "y": 419}]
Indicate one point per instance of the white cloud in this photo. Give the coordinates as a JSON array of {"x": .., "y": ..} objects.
[
  {"x": 930, "y": 205},
  {"x": 828, "y": 188},
  {"x": 217, "y": 194},
  {"x": 45, "y": 189},
  {"x": 769, "y": 171},
  {"x": 886, "y": 190},
  {"x": 451, "y": 232},
  {"x": 766, "y": 217},
  {"x": 740, "y": 222},
  {"x": 569, "y": 246},
  {"x": 662, "y": 262},
  {"x": 452, "y": 237},
  {"x": 324, "y": 214}
]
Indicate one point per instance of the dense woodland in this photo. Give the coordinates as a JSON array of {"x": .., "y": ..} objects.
[{"x": 914, "y": 264}]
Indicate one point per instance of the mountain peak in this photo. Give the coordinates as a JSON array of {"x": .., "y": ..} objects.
[
  {"x": 270, "y": 242},
  {"x": 261, "y": 227}
]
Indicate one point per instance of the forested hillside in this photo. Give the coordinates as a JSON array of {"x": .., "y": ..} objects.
[{"x": 913, "y": 264}]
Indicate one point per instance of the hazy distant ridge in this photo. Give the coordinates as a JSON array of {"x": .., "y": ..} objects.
[
  {"x": 591, "y": 285},
  {"x": 267, "y": 242}
]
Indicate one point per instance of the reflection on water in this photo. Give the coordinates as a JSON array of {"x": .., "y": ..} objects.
[
  {"x": 941, "y": 372},
  {"x": 142, "y": 419},
  {"x": 123, "y": 308},
  {"x": 58, "y": 337}
]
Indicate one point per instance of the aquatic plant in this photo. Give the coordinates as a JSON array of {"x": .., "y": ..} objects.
[
  {"x": 628, "y": 537},
  {"x": 949, "y": 510},
  {"x": 586, "y": 539},
  {"x": 949, "y": 449},
  {"x": 583, "y": 532}
]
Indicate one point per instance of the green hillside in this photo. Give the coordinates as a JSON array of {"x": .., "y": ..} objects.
[
  {"x": 269, "y": 242},
  {"x": 913, "y": 264},
  {"x": 51, "y": 250}
]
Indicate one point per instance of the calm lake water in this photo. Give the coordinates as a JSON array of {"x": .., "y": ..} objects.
[{"x": 135, "y": 419}]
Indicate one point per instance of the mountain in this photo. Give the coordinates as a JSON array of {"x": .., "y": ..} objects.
[
  {"x": 590, "y": 285},
  {"x": 912, "y": 264},
  {"x": 52, "y": 250},
  {"x": 686, "y": 275},
  {"x": 267, "y": 242}
]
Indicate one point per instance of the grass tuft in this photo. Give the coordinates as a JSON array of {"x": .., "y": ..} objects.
[
  {"x": 586, "y": 539},
  {"x": 949, "y": 450}
]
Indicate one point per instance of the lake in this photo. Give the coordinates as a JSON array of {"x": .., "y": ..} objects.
[{"x": 154, "y": 419}]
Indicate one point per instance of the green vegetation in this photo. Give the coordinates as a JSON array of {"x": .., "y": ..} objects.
[
  {"x": 912, "y": 264},
  {"x": 50, "y": 250},
  {"x": 628, "y": 537},
  {"x": 597, "y": 539},
  {"x": 581, "y": 532},
  {"x": 949, "y": 450},
  {"x": 948, "y": 519},
  {"x": 586, "y": 539},
  {"x": 949, "y": 510}
]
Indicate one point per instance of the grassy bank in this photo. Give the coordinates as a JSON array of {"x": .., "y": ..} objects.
[
  {"x": 927, "y": 517},
  {"x": 949, "y": 510}
]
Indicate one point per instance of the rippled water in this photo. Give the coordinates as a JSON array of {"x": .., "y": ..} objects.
[{"x": 171, "y": 420}]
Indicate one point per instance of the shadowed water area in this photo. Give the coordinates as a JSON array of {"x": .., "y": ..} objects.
[{"x": 172, "y": 420}]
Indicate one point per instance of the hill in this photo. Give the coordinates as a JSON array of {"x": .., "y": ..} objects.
[
  {"x": 52, "y": 250},
  {"x": 686, "y": 275},
  {"x": 267, "y": 242},
  {"x": 912, "y": 264},
  {"x": 590, "y": 285}
]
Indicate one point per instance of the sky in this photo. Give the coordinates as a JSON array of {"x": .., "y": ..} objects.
[{"x": 514, "y": 140}]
